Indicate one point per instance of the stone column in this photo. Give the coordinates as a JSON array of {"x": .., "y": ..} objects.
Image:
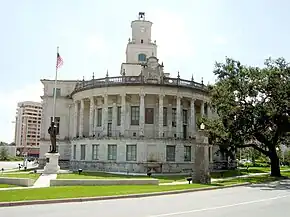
[
  {"x": 123, "y": 114},
  {"x": 105, "y": 115},
  {"x": 201, "y": 165},
  {"x": 142, "y": 114},
  {"x": 192, "y": 117},
  {"x": 178, "y": 117},
  {"x": 169, "y": 119},
  {"x": 114, "y": 119},
  {"x": 81, "y": 124},
  {"x": 160, "y": 116},
  {"x": 91, "y": 118},
  {"x": 95, "y": 119},
  {"x": 202, "y": 109},
  {"x": 208, "y": 109},
  {"x": 75, "y": 131}
]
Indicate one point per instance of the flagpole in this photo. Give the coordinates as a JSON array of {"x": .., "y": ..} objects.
[{"x": 55, "y": 83}]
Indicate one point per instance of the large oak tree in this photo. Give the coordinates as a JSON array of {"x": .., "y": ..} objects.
[{"x": 253, "y": 107}]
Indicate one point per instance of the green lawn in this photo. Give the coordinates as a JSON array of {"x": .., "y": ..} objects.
[
  {"x": 88, "y": 191},
  {"x": 243, "y": 171},
  {"x": 254, "y": 180},
  {"x": 21, "y": 175},
  {"x": 7, "y": 186},
  {"x": 100, "y": 175}
]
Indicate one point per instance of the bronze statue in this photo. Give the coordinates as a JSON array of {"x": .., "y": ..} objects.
[{"x": 52, "y": 132}]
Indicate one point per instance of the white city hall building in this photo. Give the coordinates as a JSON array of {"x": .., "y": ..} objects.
[{"x": 139, "y": 120}]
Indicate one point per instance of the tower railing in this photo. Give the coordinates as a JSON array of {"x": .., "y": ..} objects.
[{"x": 137, "y": 80}]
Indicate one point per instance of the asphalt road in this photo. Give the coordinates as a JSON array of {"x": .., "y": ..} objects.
[
  {"x": 251, "y": 201},
  {"x": 8, "y": 165}
]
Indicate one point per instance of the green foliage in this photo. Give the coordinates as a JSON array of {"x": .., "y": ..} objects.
[
  {"x": 253, "y": 106},
  {"x": 4, "y": 156}
]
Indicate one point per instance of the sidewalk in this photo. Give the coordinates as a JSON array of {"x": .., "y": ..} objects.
[
  {"x": 223, "y": 179},
  {"x": 44, "y": 180}
]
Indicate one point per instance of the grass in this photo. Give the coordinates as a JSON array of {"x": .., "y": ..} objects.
[
  {"x": 100, "y": 175},
  {"x": 88, "y": 191},
  {"x": 7, "y": 186},
  {"x": 22, "y": 170},
  {"x": 243, "y": 171},
  {"x": 21, "y": 175},
  {"x": 253, "y": 180}
]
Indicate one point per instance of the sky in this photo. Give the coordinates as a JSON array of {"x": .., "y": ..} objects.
[{"x": 92, "y": 36}]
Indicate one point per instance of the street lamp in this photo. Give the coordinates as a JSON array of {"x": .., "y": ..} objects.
[{"x": 202, "y": 126}]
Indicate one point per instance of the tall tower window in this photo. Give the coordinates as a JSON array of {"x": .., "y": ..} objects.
[
  {"x": 141, "y": 57},
  {"x": 141, "y": 41}
]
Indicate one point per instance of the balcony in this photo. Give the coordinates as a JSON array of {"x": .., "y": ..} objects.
[{"x": 137, "y": 80}]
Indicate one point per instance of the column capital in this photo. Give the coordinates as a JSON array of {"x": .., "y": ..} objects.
[
  {"x": 104, "y": 95},
  {"x": 142, "y": 94},
  {"x": 178, "y": 97}
]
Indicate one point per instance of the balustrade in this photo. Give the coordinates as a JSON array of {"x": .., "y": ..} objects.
[{"x": 125, "y": 80}]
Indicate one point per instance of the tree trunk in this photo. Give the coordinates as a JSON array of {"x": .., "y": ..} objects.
[{"x": 275, "y": 164}]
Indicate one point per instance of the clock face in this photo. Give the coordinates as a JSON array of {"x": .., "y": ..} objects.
[{"x": 142, "y": 29}]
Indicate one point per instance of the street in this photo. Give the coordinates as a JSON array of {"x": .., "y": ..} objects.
[
  {"x": 251, "y": 201},
  {"x": 8, "y": 165}
]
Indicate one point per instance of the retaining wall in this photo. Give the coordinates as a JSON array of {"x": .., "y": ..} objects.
[{"x": 25, "y": 182}]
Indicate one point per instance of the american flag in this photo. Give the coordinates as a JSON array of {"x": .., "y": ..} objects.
[{"x": 59, "y": 61}]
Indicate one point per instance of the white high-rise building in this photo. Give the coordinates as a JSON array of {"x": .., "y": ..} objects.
[{"x": 27, "y": 128}]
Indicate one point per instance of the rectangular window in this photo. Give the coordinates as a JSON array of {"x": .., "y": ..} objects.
[
  {"x": 56, "y": 91},
  {"x": 131, "y": 152},
  {"x": 174, "y": 117},
  {"x": 164, "y": 116},
  {"x": 56, "y": 123},
  {"x": 110, "y": 114},
  {"x": 184, "y": 115},
  {"x": 135, "y": 113},
  {"x": 109, "y": 133},
  {"x": 83, "y": 152},
  {"x": 149, "y": 116},
  {"x": 119, "y": 116},
  {"x": 170, "y": 153},
  {"x": 95, "y": 149},
  {"x": 187, "y": 153},
  {"x": 99, "y": 117},
  {"x": 74, "y": 151},
  {"x": 112, "y": 152}
]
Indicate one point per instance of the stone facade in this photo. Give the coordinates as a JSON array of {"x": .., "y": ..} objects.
[{"x": 142, "y": 120}]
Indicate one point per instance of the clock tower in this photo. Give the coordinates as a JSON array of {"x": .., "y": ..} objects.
[{"x": 140, "y": 46}]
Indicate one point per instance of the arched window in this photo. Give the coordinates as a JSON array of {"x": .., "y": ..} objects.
[{"x": 141, "y": 57}]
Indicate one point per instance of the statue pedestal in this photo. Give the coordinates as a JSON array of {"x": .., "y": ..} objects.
[{"x": 51, "y": 166}]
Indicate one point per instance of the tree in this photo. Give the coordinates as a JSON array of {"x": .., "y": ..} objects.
[
  {"x": 253, "y": 107},
  {"x": 4, "y": 154}
]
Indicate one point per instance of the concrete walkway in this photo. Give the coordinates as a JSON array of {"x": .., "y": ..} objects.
[
  {"x": 44, "y": 180},
  {"x": 223, "y": 179}
]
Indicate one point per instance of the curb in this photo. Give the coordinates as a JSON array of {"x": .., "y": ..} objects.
[{"x": 86, "y": 199}]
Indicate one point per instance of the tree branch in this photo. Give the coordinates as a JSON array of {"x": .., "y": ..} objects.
[{"x": 254, "y": 146}]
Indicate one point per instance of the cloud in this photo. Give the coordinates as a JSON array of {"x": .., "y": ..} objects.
[
  {"x": 8, "y": 104},
  {"x": 171, "y": 33}
]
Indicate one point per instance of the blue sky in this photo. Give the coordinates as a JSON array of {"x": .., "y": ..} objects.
[{"x": 92, "y": 36}]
